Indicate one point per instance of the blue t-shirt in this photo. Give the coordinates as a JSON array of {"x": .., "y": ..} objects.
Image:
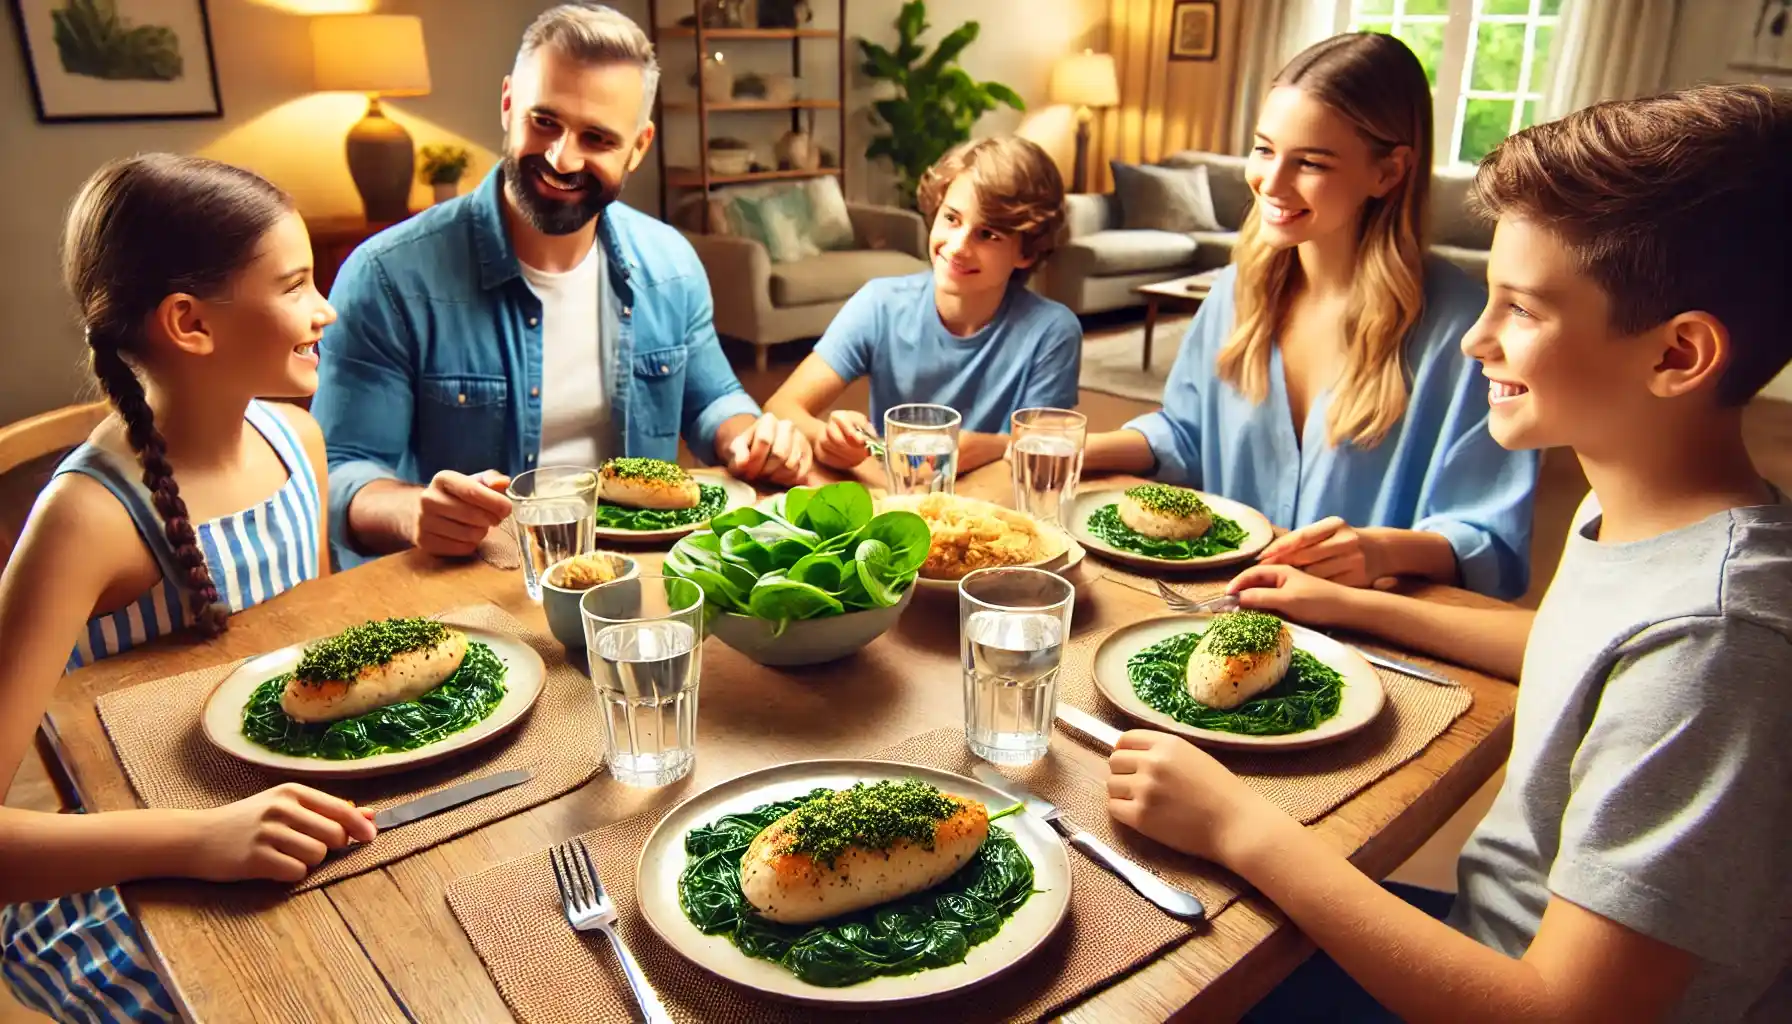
[
  {"x": 1438, "y": 470},
  {"x": 1028, "y": 356}
]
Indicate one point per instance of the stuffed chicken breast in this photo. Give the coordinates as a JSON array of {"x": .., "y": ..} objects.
[
  {"x": 1241, "y": 655},
  {"x": 371, "y": 666}
]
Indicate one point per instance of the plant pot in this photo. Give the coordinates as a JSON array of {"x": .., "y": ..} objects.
[{"x": 446, "y": 190}]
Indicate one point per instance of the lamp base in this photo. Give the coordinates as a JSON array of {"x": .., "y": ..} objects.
[
  {"x": 1079, "y": 174},
  {"x": 381, "y": 161}
]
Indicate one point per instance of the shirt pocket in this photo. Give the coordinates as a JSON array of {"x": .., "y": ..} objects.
[
  {"x": 658, "y": 406},
  {"x": 462, "y": 423}
]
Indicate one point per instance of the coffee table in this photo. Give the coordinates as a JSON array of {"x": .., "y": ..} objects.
[{"x": 1191, "y": 290}]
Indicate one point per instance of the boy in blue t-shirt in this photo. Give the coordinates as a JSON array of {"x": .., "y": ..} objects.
[
  {"x": 1633, "y": 865},
  {"x": 966, "y": 333}
]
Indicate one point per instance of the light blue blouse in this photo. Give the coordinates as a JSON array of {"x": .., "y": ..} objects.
[{"x": 1437, "y": 470}]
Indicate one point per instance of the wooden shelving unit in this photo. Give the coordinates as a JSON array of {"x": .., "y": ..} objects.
[{"x": 702, "y": 37}]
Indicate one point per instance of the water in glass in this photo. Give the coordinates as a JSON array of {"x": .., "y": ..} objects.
[
  {"x": 646, "y": 674},
  {"x": 922, "y": 463},
  {"x": 1011, "y": 660},
  {"x": 549, "y": 530},
  {"x": 1046, "y": 470}
]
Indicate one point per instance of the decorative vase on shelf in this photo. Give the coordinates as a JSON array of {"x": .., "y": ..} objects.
[{"x": 718, "y": 79}]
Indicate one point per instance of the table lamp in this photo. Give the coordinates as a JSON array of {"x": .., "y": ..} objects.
[
  {"x": 380, "y": 55},
  {"x": 1085, "y": 81}
]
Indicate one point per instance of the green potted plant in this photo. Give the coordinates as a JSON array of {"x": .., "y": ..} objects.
[
  {"x": 443, "y": 166},
  {"x": 936, "y": 102}
]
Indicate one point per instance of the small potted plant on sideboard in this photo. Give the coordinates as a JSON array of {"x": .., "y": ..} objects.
[{"x": 443, "y": 166}]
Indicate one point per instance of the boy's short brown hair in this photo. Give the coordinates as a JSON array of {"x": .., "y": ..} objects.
[
  {"x": 1019, "y": 191},
  {"x": 1673, "y": 203}
]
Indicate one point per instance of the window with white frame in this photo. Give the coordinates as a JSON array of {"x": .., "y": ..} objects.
[{"x": 1487, "y": 60}]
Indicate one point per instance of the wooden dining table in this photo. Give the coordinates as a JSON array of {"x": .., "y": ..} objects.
[{"x": 383, "y": 945}]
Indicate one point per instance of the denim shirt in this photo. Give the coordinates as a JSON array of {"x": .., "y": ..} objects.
[{"x": 434, "y": 362}]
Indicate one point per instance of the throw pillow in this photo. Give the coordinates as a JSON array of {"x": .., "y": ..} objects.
[
  {"x": 832, "y": 229},
  {"x": 778, "y": 217},
  {"x": 1164, "y": 198}
]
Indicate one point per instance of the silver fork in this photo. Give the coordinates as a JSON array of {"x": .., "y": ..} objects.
[
  {"x": 1228, "y": 603},
  {"x": 588, "y": 907}
]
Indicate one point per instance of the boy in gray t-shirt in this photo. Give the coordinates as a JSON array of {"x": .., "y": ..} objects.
[{"x": 1633, "y": 866}]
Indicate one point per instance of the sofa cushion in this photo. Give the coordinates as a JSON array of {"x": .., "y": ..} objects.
[
  {"x": 1163, "y": 198},
  {"x": 1473, "y": 261},
  {"x": 834, "y": 276},
  {"x": 1453, "y": 223},
  {"x": 1128, "y": 252},
  {"x": 1225, "y": 180}
]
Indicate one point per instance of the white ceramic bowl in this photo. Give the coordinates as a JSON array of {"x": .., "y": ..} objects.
[
  {"x": 806, "y": 641},
  {"x": 561, "y": 604}
]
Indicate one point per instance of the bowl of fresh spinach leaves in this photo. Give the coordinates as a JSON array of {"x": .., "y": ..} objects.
[{"x": 805, "y": 577}]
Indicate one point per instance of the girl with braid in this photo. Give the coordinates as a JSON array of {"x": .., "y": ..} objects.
[{"x": 195, "y": 499}]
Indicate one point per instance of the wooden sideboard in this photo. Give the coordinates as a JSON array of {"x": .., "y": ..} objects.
[{"x": 333, "y": 238}]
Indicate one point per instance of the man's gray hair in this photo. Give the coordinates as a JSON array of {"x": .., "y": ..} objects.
[{"x": 594, "y": 34}]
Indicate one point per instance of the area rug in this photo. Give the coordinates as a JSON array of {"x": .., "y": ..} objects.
[{"x": 1111, "y": 359}]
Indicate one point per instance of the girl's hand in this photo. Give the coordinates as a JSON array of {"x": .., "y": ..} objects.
[
  {"x": 1293, "y": 594},
  {"x": 280, "y": 833},
  {"x": 1330, "y": 549},
  {"x": 1170, "y": 790},
  {"x": 842, "y": 446}
]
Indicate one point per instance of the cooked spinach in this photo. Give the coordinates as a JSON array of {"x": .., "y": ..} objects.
[
  {"x": 1223, "y": 536},
  {"x": 810, "y": 553},
  {"x": 1309, "y": 694},
  {"x": 711, "y": 501},
  {"x": 927, "y": 929},
  {"x": 464, "y": 699}
]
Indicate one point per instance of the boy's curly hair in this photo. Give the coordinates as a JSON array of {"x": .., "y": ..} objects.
[
  {"x": 1019, "y": 192},
  {"x": 1673, "y": 203}
]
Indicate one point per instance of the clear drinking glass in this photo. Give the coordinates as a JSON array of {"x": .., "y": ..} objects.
[
  {"x": 1047, "y": 455},
  {"x": 555, "y": 512},
  {"x": 921, "y": 448},
  {"x": 644, "y": 639},
  {"x": 1012, "y": 625}
]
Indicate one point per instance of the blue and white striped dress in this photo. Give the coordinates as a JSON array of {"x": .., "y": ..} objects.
[{"x": 77, "y": 958}]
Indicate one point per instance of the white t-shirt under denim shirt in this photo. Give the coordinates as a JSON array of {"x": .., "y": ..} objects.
[
  {"x": 575, "y": 410},
  {"x": 1651, "y": 772}
]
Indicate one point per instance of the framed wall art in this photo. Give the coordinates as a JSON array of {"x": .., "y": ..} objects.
[
  {"x": 1195, "y": 30},
  {"x": 118, "y": 60}
]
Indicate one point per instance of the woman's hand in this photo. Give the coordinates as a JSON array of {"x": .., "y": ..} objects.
[
  {"x": 770, "y": 450},
  {"x": 1293, "y": 594},
  {"x": 1330, "y": 549},
  {"x": 842, "y": 445},
  {"x": 280, "y": 833},
  {"x": 1170, "y": 790}
]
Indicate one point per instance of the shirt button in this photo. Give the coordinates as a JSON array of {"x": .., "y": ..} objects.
[
  {"x": 625, "y": 310},
  {"x": 528, "y": 458},
  {"x": 534, "y": 392},
  {"x": 463, "y": 399},
  {"x": 533, "y": 321},
  {"x": 665, "y": 369}
]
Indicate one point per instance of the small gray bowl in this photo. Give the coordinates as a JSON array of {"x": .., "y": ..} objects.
[
  {"x": 562, "y": 604},
  {"x": 807, "y": 641}
]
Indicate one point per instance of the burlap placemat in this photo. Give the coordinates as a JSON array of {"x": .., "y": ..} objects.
[
  {"x": 549, "y": 973},
  {"x": 154, "y": 727},
  {"x": 1308, "y": 783}
]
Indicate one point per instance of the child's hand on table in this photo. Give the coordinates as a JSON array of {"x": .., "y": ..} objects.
[{"x": 280, "y": 833}]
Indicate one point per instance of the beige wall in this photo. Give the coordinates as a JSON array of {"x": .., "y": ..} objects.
[
  {"x": 276, "y": 125},
  {"x": 1701, "y": 52}
]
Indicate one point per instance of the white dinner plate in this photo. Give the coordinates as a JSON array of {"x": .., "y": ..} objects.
[
  {"x": 1258, "y": 532},
  {"x": 222, "y": 718},
  {"x": 663, "y": 859},
  {"x": 1362, "y": 700},
  {"x": 740, "y": 494}
]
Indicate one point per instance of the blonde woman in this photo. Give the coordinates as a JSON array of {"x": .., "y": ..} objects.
[{"x": 1323, "y": 381}]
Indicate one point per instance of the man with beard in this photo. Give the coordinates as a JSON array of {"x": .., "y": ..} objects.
[{"x": 536, "y": 321}]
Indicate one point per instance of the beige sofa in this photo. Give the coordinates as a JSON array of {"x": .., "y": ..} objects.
[
  {"x": 1101, "y": 264},
  {"x": 765, "y": 303}
]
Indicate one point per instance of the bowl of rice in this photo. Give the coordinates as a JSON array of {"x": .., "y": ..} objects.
[{"x": 971, "y": 534}]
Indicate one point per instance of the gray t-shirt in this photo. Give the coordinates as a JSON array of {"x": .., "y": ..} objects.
[{"x": 1651, "y": 772}]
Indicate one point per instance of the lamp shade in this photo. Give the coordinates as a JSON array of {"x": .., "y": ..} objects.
[
  {"x": 1086, "y": 79},
  {"x": 373, "y": 53}
]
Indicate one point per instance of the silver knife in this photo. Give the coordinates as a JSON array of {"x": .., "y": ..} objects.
[
  {"x": 1406, "y": 668},
  {"x": 1088, "y": 726},
  {"x": 441, "y": 800},
  {"x": 1173, "y": 901}
]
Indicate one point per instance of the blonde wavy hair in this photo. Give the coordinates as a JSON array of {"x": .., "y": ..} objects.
[{"x": 1374, "y": 82}]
